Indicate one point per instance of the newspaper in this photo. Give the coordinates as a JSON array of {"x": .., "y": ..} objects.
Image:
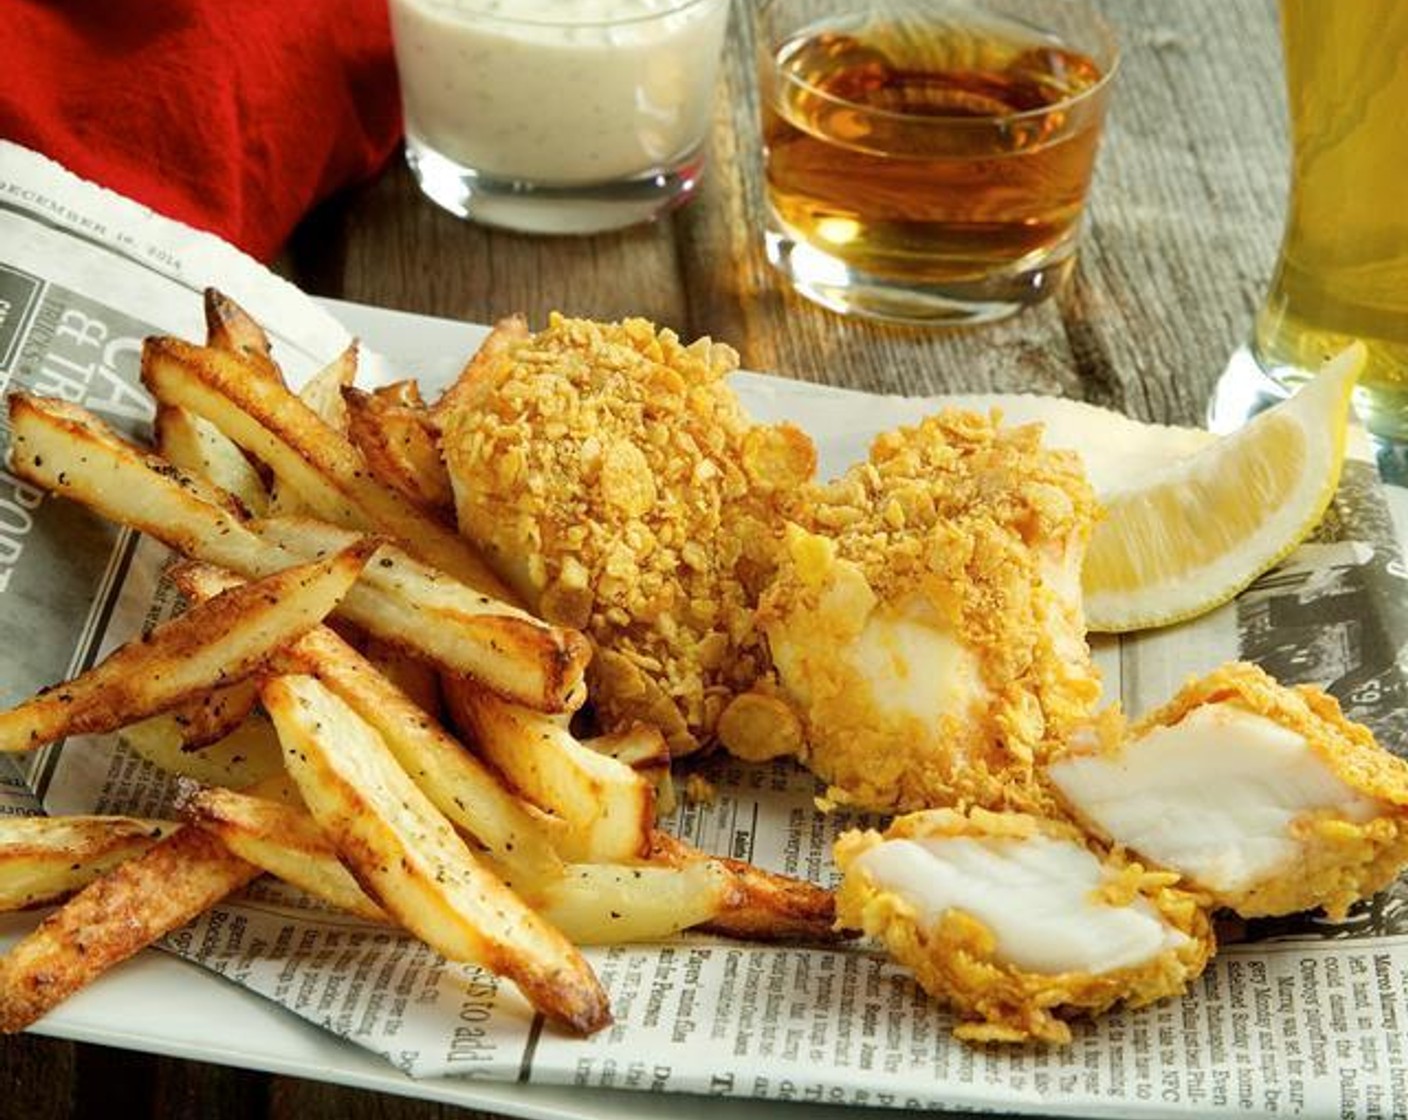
[{"x": 1295, "y": 1015}]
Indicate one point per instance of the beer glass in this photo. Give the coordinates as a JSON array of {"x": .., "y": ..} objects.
[{"x": 1343, "y": 267}]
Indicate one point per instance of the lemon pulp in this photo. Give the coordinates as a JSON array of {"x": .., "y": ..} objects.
[{"x": 1190, "y": 536}]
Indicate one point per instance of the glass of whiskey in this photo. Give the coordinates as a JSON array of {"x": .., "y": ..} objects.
[{"x": 928, "y": 161}]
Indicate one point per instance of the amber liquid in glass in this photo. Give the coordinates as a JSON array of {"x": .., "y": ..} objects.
[{"x": 894, "y": 147}]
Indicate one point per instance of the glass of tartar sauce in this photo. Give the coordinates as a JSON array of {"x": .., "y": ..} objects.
[{"x": 557, "y": 116}]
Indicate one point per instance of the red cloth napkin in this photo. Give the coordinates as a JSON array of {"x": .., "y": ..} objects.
[{"x": 235, "y": 116}]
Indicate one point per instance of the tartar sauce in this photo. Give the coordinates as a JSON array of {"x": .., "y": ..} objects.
[{"x": 559, "y": 92}]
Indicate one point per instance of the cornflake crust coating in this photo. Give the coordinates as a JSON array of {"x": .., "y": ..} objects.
[
  {"x": 611, "y": 476},
  {"x": 926, "y": 624},
  {"x": 1016, "y": 923},
  {"x": 1264, "y": 796}
]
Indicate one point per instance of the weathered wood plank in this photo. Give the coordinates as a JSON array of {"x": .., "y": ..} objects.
[
  {"x": 1187, "y": 206},
  {"x": 384, "y": 244}
]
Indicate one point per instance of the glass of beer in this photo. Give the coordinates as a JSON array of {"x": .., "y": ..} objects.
[
  {"x": 928, "y": 161},
  {"x": 1343, "y": 268}
]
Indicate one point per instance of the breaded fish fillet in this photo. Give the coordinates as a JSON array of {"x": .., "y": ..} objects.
[
  {"x": 925, "y": 623},
  {"x": 612, "y": 478},
  {"x": 1264, "y": 796},
  {"x": 1018, "y": 923}
]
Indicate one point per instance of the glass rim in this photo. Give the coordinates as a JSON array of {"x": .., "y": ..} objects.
[
  {"x": 469, "y": 9},
  {"x": 1108, "y": 41}
]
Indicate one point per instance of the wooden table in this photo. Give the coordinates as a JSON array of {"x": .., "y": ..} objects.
[{"x": 1181, "y": 236}]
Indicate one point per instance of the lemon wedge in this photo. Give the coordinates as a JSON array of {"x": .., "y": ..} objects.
[{"x": 1188, "y": 537}]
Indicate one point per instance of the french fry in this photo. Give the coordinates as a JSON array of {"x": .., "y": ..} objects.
[
  {"x": 199, "y": 448},
  {"x": 413, "y": 863},
  {"x": 214, "y": 643},
  {"x": 282, "y": 840},
  {"x": 114, "y": 917},
  {"x": 321, "y": 463},
  {"x": 474, "y": 380},
  {"x": 401, "y": 394},
  {"x": 418, "y": 678},
  {"x": 609, "y": 809},
  {"x": 44, "y": 859},
  {"x": 212, "y": 715},
  {"x": 400, "y": 449},
  {"x": 247, "y": 754},
  {"x": 231, "y": 328},
  {"x": 613, "y": 904},
  {"x": 68, "y": 451},
  {"x": 323, "y": 394},
  {"x": 592, "y": 904},
  {"x": 323, "y": 391},
  {"x": 646, "y": 751},
  {"x": 459, "y": 785},
  {"x": 402, "y": 600},
  {"x": 765, "y": 906}
]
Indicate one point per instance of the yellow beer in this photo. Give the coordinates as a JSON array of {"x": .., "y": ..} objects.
[{"x": 1343, "y": 268}]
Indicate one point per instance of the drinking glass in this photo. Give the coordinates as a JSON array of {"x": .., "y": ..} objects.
[
  {"x": 928, "y": 161},
  {"x": 549, "y": 117},
  {"x": 1342, "y": 272}
]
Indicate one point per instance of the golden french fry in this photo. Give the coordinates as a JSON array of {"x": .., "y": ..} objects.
[
  {"x": 646, "y": 751},
  {"x": 44, "y": 859},
  {"x": 401, "y": 450},
  {"x": 199, "y": 448},
  {"x": 614, "y": 904},
  {"x": 609, "y": 809},
  {"x": 408, "y": 604},
  {"x": 114, "y": 917},
  {"x": 323, "y": 391},
  {"x": 458, "y": 784},
  {"x": 402, "y": 394},
  {"x": 413, "y": 863},
  {"x": 285, "y": 502},
  {"x": 247, "y": 754},
  {"x": 214, "y": 643},
  {"x": 765, "y": 906},
  {"x": 70, "y": 452},
  {"x": 592, "y": 904},
  {"x": 210, "y": 716},
  {"x": 231, "y": 328},
  {"x": 321, "y": 463},
  {"x": 473, "y": 380},
  {"x": 418, "y": 678},
  {"x": 282, "y": 840},
  {"x": 323, "y": 394},
  {"x": 48, "y": 434}
]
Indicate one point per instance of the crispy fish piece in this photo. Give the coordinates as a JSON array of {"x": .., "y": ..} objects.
[
  {"x": 1018, "y": 923},
  {"x": 1264, "y": 796},
  {"x": 926, "y": 623},
  {"x": 608, "y": 473}
]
